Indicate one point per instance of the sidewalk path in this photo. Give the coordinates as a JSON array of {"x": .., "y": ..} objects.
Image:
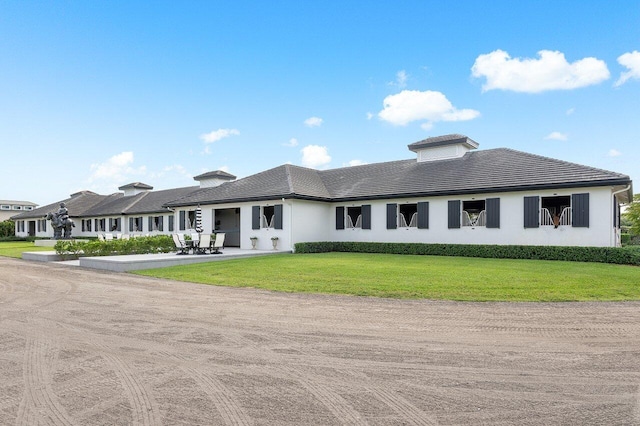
[{"x": 83, "y": 347}]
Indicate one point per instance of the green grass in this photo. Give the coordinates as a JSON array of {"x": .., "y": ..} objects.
[
  {"x": 16, "y": 248},
  {"x": 418, "y": 277}
]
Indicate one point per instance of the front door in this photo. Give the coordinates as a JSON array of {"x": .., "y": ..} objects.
[{"x": 32, "y": 228}]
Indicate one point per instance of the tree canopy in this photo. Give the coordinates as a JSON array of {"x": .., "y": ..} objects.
[{"x": 633, "y": 214}]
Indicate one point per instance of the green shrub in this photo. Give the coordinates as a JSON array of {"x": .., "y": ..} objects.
[
  {"x": 7, "y": 229},
  {"x": 575, "y": 254},
  {"x": 140, "y": 245}
]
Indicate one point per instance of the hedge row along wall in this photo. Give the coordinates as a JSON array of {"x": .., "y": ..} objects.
[{"x": 623, "y": 256}]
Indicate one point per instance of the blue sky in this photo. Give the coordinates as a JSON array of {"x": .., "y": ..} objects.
[{"x": 94, "y": 95}]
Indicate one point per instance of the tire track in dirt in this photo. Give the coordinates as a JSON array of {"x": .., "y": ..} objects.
[
  {"x": 40, "y": 403},
  {"x": 340, "y": 408},
  {"x": 408, "y": 412},
  {"x": 226, "y": 404},
  {"x": 145, "y": 411},
  {"x": 326, "y": 395},
  {"x": 636, "y": 411}
]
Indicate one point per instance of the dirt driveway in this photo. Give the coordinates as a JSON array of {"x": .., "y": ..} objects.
[{"x": 80, "y": 347}]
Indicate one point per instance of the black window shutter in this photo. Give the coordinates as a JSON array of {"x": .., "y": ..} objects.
[
  {"x": 392, "y": 216},
  {"x": 160, "y": 223},
  {"x": 150, "y": 223},
  {"x": 255, "y": 217},
  {"x": 423, "y": 215},
  {"x": 532, "y": 212},
  {"x": 454, "y": 214},
  {"x": 340, "y": 217},
  {"x": 277, "y": 213},
  {"x": 580, "y": 210},
  {"x": 110, "y": 224},
  {"x": 366, "y": 216},
  {"x": 493, "y": 212},
  {"x": 130, "y": 224},
  {"x": 171, "y": 219},
  {"x": 182, "y": 225}
]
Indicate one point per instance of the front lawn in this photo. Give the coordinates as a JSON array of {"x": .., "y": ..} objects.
[
  {"x": 16, "y": 248},
  {"x": 419, "y": 277}
]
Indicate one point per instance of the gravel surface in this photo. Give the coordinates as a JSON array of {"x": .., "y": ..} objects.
[{"x": 80, "y": 347}]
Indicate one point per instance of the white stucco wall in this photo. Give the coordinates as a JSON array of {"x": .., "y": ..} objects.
[
  {"x": 511, "y": 232},
  {"x": 309, "y": 221}
]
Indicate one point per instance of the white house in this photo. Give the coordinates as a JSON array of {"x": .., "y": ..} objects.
[
  {"x": 449, "y": 193},
  {"x": 9, "y": 208}
]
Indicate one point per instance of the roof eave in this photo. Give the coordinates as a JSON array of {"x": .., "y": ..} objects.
[{"x": 485, "y": 190}]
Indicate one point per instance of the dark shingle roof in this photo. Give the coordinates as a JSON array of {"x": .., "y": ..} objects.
[
  {"x": 283, "y": 181},
  {"x": 78, "y": 204},
  {"x": 494, "y": 170},
  {"x": 145, "y": 202}
]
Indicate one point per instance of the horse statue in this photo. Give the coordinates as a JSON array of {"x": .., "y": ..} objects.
[{"x": 61, "y": 223}]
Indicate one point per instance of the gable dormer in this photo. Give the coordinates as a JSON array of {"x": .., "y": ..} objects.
[
  {"x": 443, "y": 147},
  {"x": 135, "y": 188},
  {"x": 215, "y": 178}
]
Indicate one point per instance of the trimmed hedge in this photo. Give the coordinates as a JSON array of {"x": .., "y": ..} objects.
[
  {"x": 622, "y": 256},
  {"x": 139, "y": 245}
]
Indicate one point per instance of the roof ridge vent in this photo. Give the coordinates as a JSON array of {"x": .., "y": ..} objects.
[{"x": 443, "y": 147}]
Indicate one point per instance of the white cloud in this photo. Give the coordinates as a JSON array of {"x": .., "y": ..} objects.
[
  {"x": 216, "y": 135},
  {"x": 632, "y": 62},
  {"x": 174, "y": 169},
  {"x": 401, "y": 79},
  {"x": 412, "y": 105},
  {"x": 313, "y": 122},
  {"x": 355, "y": 163},
  {"x": 118, "y": 170},
  {"x": 614, "y": 153},
  {"x": 315, "y": 156},
  {"x": 293, "y": 142},
  {"x": 550, "y": 72},
  {"x": 570, "y": 111},
  {"x": 557, "y": 136}
]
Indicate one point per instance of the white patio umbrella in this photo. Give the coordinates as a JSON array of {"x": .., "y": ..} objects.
[{"x": 198, "y": 220}]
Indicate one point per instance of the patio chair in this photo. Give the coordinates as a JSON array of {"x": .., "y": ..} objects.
[
  {"x": 218, "y": 243},
  {"x": 181, "y": 246},
  {"x": 108, "y": 237},
  {"x": 205, "y": 244},
  {"x": 100, "y": 237}
]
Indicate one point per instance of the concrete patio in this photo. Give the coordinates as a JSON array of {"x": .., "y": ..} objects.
[{"x": 145, "y": 261}]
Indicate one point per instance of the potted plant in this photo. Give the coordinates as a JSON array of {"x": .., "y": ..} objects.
[
  {"x": 254, "y": 241},
  {"x": 274, "y": 241}
]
